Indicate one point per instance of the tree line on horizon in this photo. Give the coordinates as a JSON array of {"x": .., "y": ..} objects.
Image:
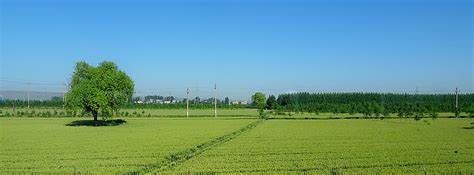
[
  {"x": 369, "y": 104},
  {"x": 351, "y": 103}
]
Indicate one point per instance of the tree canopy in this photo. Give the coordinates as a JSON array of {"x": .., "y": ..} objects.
[
  {"x": 99, "y": 90},
  {"x": 259, "y": 100},
  {"x": 374, "y": 103},
  {"x": 272, "y": 102}
]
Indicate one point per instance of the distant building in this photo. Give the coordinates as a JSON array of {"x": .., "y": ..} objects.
[{"x": 239, "y": 103}]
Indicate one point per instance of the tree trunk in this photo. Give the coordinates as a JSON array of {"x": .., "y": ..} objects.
[{"x": 94, "y": 114}]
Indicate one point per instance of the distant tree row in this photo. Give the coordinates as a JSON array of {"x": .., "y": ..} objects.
[
  {"x": 53, "y": 102},
  {"x": 196, "y": 103},
  {"x": 372, "y": 103}
]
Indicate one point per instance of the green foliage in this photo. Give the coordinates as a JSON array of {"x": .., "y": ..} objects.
[
  {"x": 262, "y": 114},
  {"x": 457, "y": 112},
  {"x": 469, "y": 110},
  {"x": 259, "y": 100},
  {"x": 272, "y": 102},
  {"x": 227, "y": 101},
  {"x": 99, "y": 90},
  {"x": 372, "y": 103},
  {"x": 433, "y": 115},
  {"x": 33, "y": 103}
]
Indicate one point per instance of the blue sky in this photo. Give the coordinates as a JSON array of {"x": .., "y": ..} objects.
[{"x": 243, "y": 46}]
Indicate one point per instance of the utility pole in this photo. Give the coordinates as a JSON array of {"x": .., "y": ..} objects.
[
  {"x": 215, "y": 100},
  {"x": 64, "y": 95},
  {"x": 29, "y": 87},
  {"x": 64, "y": 100},
  {"x": 187, "y": 103},
  {"x": 457, "y": 107}
]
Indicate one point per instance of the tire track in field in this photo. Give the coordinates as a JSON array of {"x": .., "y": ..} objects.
[{"x": 178, "y": 158}]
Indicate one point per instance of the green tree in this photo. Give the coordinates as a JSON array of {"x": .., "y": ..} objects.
[
  {"x": 99, "y": 90},
  {"x": 377, "y": 110},
  {"x": 385, "y": 112},
  {"x": 352, "y": 109},
  {"x": 470, "y": 111},
  {"x": 227, "y": 101},
  {"x": 457, "y": 111},
  {"x": 258, "y": 100},
  {"x": 272, "y": 102},
  {"x": 368, "y": 109}
]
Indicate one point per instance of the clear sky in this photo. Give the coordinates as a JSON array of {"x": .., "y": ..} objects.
[{"x": 243, "y": 46}]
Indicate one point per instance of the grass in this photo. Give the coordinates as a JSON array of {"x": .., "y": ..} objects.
[
  {"x": 48, "y": 146},
  {"x": 229, "y": 145},
  {"x": 344, "y": 146},
  {"x": 181, "y": 113}
]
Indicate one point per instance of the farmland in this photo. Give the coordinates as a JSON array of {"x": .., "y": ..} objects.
[
  {"x": 236, "y": 87},
  {"x": 47, "y": 145},
  {"x": 237, "y": 145},
  {"x": 381, "y": 146}
]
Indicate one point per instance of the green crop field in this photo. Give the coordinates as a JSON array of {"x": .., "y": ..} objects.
[
  {"x": 47, "y": 145},
  {"x": 357, "y": 146},
  {"x": 208, "y": 145}
]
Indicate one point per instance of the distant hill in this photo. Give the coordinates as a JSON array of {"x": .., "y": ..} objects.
[{"x": 23, "y": 95}]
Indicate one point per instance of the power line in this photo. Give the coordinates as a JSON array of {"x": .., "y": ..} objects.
[{"x": 28, "y": 81}]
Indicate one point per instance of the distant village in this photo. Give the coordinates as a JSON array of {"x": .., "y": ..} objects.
[
  {"x": 149, "y": 99},
  {"x": 156, "y": 99}
]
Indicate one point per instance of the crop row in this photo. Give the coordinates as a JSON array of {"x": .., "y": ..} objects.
[{"x": 343, "y": 146}]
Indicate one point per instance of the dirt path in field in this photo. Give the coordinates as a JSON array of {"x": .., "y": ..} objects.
[{"x": 178, "y": 158}]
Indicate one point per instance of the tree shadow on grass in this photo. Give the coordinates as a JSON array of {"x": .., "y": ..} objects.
[{"x": 98, "y": 123}]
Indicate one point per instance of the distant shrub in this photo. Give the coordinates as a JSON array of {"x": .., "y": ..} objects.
[
  {"x": 433, "y": 115},
  {"x": 262, "y": 114},
  {"x": 417, "y": 117},
  {"x": 30, "y": 114},
  {"x": 279, "y": 111}
]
